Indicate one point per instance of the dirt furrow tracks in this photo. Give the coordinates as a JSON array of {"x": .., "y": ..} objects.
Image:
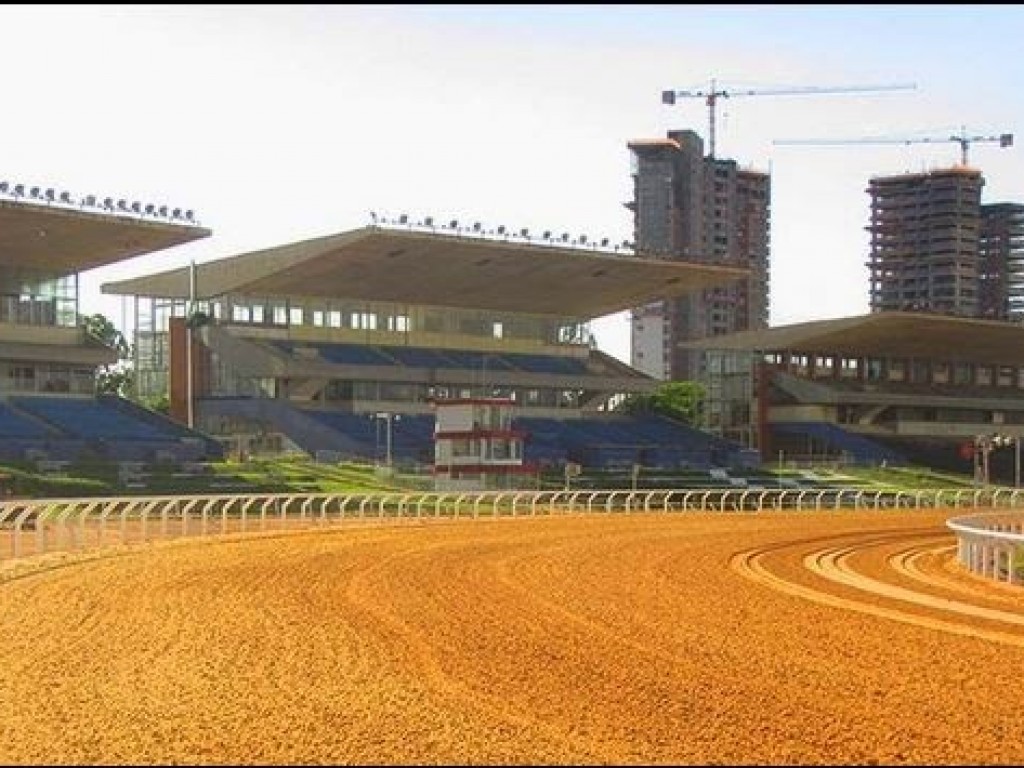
[{"x": 778, "y": 638}]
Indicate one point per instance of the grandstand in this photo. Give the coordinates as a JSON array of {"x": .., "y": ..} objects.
[
  {"x": 884, "y": 388},
  {"x": 339, "y": 344},
  {"x": 49, "y": 410}
]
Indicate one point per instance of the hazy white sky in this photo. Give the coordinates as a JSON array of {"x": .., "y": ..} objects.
[{"x": 278, "y": 123}]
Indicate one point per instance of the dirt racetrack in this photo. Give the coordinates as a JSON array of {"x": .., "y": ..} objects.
[{"x": 770, "y": 638}]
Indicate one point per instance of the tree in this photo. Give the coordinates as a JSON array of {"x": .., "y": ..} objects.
[
  {"x": 116, "y": 378},
  {"x": 680, "y": 400}
]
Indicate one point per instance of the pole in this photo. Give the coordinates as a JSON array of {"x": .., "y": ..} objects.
[
  {"x": 986, "y": 449},
  {"x": 388, "y": 416},
  {"x": 1016, "y": 462},
  {"x": 712, "y": 98},
  {"x": 188, "y": 342}
]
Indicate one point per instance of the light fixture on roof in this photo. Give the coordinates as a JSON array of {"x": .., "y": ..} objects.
[
  {"x": 524, "y": 233},
  {"x": 137, "y": 207},
  {"x": 429, "y": 222},
  {"x": 122, "y": 205},
  {"x": 477, "y": 226},
  {"x": 89, "y": 201},
  {"x": 190, "y": 215},
  {"x": 176, "y": 213},
  {"x": 108, "y": 203},
  {"x": 163, "y": 211},
  {"x": 565, "y": 237},
  {"x": 583, "y": 239},
  {"x": 65, "y": 197},
  {"x": 501, "y": 229},
  {"x": 403, "y": 219},
  {"x": 50, "y": 194},
  {"x": 150, "y": 209},
  {"x": 453, "y": 224},
  {"x": 35, "y": 192},
  {"x": 547, "y": 234},
  {"x": 604, "y": 242}
]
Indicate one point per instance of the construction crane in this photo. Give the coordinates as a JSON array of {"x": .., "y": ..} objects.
[
  {"x": 1004, "y": 139},
  {"x": 713, "y": 94}
]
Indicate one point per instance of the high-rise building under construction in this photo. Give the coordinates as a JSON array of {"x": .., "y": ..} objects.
[
  {"x": 695, "y": 208},
  {"x": 936, "y": 248},
  {"x": 1001, "y": 250},
  {"x": 924, "y": 242}
]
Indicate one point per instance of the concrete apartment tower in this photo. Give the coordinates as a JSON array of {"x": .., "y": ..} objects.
[
  {"x": 1001, "y": 250},
  {"x": 694, "y": 208},
  {"x": 925, "y": 231},
  {"x": 936, "y": 248}
]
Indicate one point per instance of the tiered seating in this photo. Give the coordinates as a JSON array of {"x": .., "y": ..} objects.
[
  {"x": 860, "y": 448},
  {"x": 600, "y": 443},
  {"x": 547, "y": 363},
  {"x": 14, "y": 425},
  {"x": 68, "y": 427},
  {"x": 487, "y": 361},
  {"x": 352, "y": 354},
  {"x": 426, "y": 357},
  {"x": 412, "y": 437},
  {"x": 652, "y": 441},
  {"x": 89, "y": 418},
  {"x": 417, "y": 357}
]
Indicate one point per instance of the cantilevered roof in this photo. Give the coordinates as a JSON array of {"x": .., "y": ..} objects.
[
  {"x": 891, "y": 334},
  {"x": 426, "y": 268},
  {"x": 68, "y": 240}
]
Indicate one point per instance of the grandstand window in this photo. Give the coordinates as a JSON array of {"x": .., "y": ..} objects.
[
  {"x": 279, "y": 314},
  {"x": 497, "y": 330},
  {"x": 919, "y": 372},
  {"x": 462, "y": 448},
  {"x": 334, "y": 318},
  {"x": 983, "y": 375},
  {"x": 961, "y": 373},
  {"x": 295, "y": 315},
  {"x": 366, "y": 321},
  {"x": 433, "y": 322},
  {"x": 940, "y": 373},
  {"x": 1005, "y": 376},
  {"x": 240, "y": 313},
  {"x": 398, "y": 323},
  {"x": 257, "y": 313},
  {"x": 318, "y": 318}
]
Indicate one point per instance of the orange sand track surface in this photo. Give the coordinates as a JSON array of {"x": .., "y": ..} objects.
[{"x": 842, "y": 637}]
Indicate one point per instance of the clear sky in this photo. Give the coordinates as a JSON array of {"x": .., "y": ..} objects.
[{"x": 279, "y": 123}]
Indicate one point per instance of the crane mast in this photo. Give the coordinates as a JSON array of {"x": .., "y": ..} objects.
[{"x": 714, "y": 93}]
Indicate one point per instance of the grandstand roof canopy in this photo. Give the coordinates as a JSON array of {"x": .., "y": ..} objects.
[
  {"x": 885, "y": 334},
  {"x": 425, "y": 268},
  {"x": 62, "y": 239}
]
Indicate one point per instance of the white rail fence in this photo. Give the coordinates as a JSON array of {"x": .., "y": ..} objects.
[
  {"x": 40, "y": 526},
  {"x": 991, "y": 544}
]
